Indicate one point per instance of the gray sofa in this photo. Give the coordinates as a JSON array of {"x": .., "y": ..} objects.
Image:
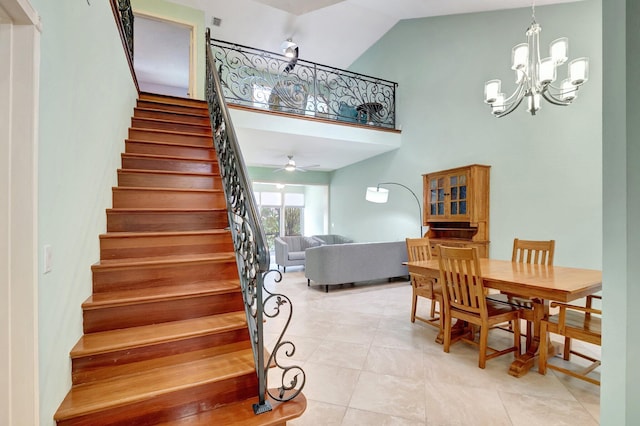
[
  {"x": 332, "y": 239},
  {"x": 290, "y": 251},
  {"x": 347, "y": 263}
]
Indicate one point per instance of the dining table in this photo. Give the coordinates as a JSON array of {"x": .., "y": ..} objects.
[{"x": 539, "y": 283}]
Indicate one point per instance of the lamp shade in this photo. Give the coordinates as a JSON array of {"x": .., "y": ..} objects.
[{"x": 377, "y": 195}]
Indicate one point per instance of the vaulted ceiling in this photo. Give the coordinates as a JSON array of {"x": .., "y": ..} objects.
[{"x": 331, "y": 32}]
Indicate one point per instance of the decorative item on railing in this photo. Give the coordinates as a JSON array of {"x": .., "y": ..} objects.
[
  {"x": 252, "y": 252},
  {"x": 261, "y": 79},
  {"x": 126, "y": 17}
]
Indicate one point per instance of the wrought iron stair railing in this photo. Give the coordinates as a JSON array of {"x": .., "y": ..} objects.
[
  {"x": 261, "y": 79},
  {"x": 252, "y": 253}
]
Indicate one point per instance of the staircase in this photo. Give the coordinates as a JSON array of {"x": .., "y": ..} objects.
[{"x": 165, "y": 335}]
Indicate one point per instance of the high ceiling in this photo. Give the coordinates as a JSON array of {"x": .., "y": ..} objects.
[{"x": 332, "y": 32}]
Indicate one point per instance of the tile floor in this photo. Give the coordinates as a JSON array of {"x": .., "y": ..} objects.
[{"x": 367, "y": 364}]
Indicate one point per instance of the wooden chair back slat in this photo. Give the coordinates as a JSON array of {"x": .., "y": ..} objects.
[
  {"x": 537, "y": 252},
  {"x": 460, "y": 275}
]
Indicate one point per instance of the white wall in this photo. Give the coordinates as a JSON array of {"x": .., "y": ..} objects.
[
  {"x": 546, "y": 174},
  {"x": 86, "y": 101}
]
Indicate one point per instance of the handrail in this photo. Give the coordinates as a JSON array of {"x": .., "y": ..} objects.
[
  {"x": 252, "y": 252},
  {"x": 123, "y": 14},
  {"x": 262, "y": 79}
]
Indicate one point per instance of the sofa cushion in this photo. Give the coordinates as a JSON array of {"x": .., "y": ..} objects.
[{"x": 296, "y": 255}]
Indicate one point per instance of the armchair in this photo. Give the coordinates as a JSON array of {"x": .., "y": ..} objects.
[{"x": 290, "y": 250}]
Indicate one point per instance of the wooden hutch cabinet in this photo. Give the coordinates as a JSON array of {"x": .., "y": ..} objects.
[{"x": 456, "y": 207}]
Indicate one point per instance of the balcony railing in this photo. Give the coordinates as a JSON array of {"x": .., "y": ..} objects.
[{"x": 266, "y": 80}]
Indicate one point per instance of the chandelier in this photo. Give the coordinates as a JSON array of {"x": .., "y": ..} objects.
[{"x": 535, "y": 76}]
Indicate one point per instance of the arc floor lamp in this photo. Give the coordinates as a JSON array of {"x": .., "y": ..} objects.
[{"x": 375, "y": 194}]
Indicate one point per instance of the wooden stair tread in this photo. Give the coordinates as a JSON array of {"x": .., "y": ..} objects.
[
  {"x": 163, "y": 260},
  {"x": 241, "y": 414},
  {"x": 133, "y": 337},
  {"x": 163, "y": 121},
  {"x": 128, "y": 297},
  {"x": 94, "y": 397},
  {"x": 167, "y": 143},
  {"x": 172, "y": 132},
  {"x": 130, "y": 234},
  {"x": 166, "y": 172},
  {"x": 160, "y": 210},
  {"x": 172, "y": 100},
  {"x": 167, "y": 157},
  {"x": 155, "y": 189},
  {"x": 176, "y": 113}
]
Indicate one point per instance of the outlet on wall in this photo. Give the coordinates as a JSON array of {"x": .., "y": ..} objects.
[{"x": 47, "y": 258}]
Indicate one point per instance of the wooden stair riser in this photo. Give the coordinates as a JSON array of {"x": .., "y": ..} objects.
[
  {"x": 165, "y": 136},
  {"x": 170, "y": 150},
  {"x": 140, "y": 245},
  {"x": 172, "y": 126},
  {"x": 172, "y": 405},
  {"x": 181, "y": 109},
  {"x": 129, "y": 278},
  {"x": 140, "y": 162},
  {"x": 158, "y": 179},
  {"x": 106, "y": 318},
  {"x": 131, "y": 198},
  {"x": 104, "y": 366},
  {"x": 158, "y": 221},
  {"x": 199, "y": 120},
  {"x": 172, "y": 100}
]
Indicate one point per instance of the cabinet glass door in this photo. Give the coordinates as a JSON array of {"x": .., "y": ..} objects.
[
  {"x": 458, "y": 194},
  {"x": 437, "y": 196}
]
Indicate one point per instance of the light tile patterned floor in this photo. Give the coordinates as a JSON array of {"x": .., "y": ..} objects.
[{"x": 367, "y": 364}]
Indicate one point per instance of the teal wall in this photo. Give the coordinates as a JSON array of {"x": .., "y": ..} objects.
[
  {"x": 85, "y": 109},
  {"x": 546, "y": 175},
  {"x": 621, "y": 269}
]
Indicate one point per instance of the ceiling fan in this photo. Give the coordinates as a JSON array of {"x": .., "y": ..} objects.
[{"x": 290, "y": 166}]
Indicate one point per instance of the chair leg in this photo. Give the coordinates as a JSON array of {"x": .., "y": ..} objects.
[
  {"x": 567, "y": 348},
  {"x": 484, "y": 337},
  {"x": 308, "y": 282},
  {"x": 433, "y": 308},
  {"x": 447, "y": 334},
  {"x": 529, "y": 336},
  {"x": 414, "y": 306},
  {"x": 542, "y": 358}
]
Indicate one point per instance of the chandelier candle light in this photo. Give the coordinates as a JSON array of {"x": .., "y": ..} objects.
[{"x": 535, "y": 76}]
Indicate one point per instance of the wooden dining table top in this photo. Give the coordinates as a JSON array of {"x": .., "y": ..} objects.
[{"x": 559, "y": 283}]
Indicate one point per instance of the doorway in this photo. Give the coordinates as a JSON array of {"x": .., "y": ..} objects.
[{"x": 163, "y": 56}]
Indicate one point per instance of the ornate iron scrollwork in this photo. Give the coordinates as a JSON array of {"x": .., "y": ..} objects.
[
  {"x": 257, "y": 78},
  {"x": 252, "y": 253},
  {"x": 126, "y": 17}
]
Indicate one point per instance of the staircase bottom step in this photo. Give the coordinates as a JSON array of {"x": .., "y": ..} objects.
[{"x": 241, "y": 414}]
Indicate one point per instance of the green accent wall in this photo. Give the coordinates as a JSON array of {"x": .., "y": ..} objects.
[
  {"x": 546, "y": 170},
  {"x": 183, "y": 14},
  {"x": 86, "y": 101}
]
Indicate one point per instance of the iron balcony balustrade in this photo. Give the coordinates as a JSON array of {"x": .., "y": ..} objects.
[
  {"x": 252, "y": 253},
  {"x": 270, "y": 81}
]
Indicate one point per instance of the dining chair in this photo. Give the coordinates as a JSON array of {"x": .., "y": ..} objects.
[
  {"x": 428, "y": 288},
  {"x": 530, "y": 252},
  {"x": 572, "y": 322},
  {"x": 464, "y": 298}
]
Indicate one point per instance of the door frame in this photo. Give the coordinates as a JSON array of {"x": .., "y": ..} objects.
[
  {"x": 20, "y": 60},
  {"x": 192, "y": 43}
]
